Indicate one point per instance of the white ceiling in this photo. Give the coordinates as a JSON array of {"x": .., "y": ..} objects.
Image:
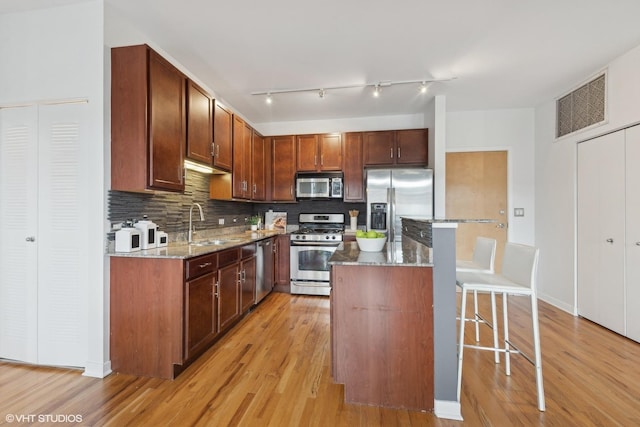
[{"x": 502, "y": 53}]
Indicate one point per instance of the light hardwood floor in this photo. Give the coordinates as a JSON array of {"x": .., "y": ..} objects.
[{"x": 273, "y": 369}]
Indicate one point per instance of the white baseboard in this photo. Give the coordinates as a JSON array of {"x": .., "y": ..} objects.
[
  {"x": 97, "y": 370},
  {"x": 447, "y": 409}
]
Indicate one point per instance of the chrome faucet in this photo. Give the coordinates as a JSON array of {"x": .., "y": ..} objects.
[{"x": 190, "y": 233}]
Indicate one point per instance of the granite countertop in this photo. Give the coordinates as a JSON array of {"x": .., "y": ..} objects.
[
  {"x": 183, "y": 250},
  {"x": 406, "y": 253}
]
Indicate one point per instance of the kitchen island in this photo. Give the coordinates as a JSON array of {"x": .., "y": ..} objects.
[
  {"x": 382, "y": 325},
  {"x": 405, "y": 295}
]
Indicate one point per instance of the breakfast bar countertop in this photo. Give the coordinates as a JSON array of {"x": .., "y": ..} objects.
[{"x": 406, "y": 253}]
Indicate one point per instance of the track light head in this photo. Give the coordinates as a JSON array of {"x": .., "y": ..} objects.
[
  {"x": 269, "y": 99},
  {"x": 424, "y": 86},
  {"x": 321, "y": 93},
  {"x": 376, "y": 91}
]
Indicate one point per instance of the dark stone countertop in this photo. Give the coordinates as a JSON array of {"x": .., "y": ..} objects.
[{"x": 406, "y": 253}]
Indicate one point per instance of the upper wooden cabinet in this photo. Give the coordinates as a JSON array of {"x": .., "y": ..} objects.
[
  {"x": 199, "y": 124},
  {"x": 400, "y": 147},
  {"x": 283, "y": 168},
  {"x": 242, "y": 134},
  {"x": 222, "y": 131},
  {"x": 353, "y": 168},
  {"x": 258, "y": 167},
  {"x": 148, "y": 121},
  {"x": 319, "y": 152}
]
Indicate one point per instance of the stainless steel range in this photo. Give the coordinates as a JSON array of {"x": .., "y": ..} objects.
[{"x": 312, "y": 245}]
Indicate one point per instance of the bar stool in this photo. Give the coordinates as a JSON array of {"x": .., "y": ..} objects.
[
  {"x": 518, "y": 277},
  {"x": 483, "y": 260}
]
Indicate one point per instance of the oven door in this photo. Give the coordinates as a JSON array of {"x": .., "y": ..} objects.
[{"x": 310, "y": 262}]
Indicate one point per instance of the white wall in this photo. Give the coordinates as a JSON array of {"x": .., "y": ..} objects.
[
  {"x": 409, "y": 121},
  {"x": 53, "y": 54},
  {"x": 556, "y": 179},
  {"x": 511, "y": 130}
]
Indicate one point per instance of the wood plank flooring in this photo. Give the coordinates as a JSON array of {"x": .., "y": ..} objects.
[{"x": 273, "y": 369}]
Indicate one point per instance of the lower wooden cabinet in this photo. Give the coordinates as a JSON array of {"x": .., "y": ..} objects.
[
  {"x": 201, "y": 313},
  {"x": 282, "y": 267},
  {"x": 228, "y": 289},
  {"x": 165, "y": 312}
]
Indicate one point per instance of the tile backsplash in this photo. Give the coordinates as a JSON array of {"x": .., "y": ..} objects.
[{"x": 171, "y": 210}]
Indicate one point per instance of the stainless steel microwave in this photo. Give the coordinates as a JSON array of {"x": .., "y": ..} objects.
[{"x": 319, "y": 186}]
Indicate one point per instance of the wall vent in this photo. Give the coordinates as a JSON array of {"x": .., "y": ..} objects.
[{"x": 582, "y": 108}]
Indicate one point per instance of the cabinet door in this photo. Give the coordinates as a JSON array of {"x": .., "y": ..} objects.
[
  {"x": 241, "y": 158},
  {"x": 411, "y": 147},
  {"x": 379, "y": 148},
  {"x": 330, "y": 152},
  {"x": 201, "y": 318},
  {"x": 167, "y": 126},
  {"x": 248, "y": 271},
  {"x": 199, "y": 124},
  {"x": 258, "y": 171},
  {"x": 283, "y": 166},
  {"x": 601, "y": 219},
  {"x": 632, "y": 251},
  {"x": 282, "y": 257},
  {"x": 353, "y": 169},
  {"x": 307, "y": 153},
  {"x": 222, "y": 130},
  {"x": 228, "y": 295}
]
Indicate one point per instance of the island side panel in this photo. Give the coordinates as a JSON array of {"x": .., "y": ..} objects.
[
  {"x": 146, "y": 316},
  {"x": 383, "y": 335},
  {"x": 444, "y": 296}
]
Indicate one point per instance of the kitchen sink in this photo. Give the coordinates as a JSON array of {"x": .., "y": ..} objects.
[{"x": 215, "y": 242}]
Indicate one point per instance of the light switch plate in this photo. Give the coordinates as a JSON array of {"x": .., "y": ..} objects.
[
  {"x": 220, "y": 221},
  {"x": 518, "y": 211}
]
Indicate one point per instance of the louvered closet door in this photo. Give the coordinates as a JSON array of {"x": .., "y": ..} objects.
[
  {"x": 43, "y": 297},
  {"x": 18, "y": 221},
  {"x": 62, "y": 243}
]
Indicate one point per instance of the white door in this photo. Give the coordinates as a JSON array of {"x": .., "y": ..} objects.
[
  {"x": 601, "y": 233},
  {"x": 18, "y": 225},
  {"x": 42, "y": 190},
  {"x": 633, "y": 232}
]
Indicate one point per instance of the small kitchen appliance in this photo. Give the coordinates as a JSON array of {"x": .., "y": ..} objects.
[
  {"x": 148, "y": 230},
  {"x": 128, "y": 239},
  {"x": 163, "y": 239},
  {"x": 325, "y": 185}
]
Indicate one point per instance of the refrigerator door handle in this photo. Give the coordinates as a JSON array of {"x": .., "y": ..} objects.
[{"x": 391, "y": 200}]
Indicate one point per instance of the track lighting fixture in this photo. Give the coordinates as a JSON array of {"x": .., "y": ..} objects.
[{"x": 423, "y": 86}]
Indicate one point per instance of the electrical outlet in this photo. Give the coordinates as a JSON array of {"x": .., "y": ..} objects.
[
  {"x": 116, "y": 226},
  {"x": 220, "y": 221},
  {"x": 518, "y": 211}
]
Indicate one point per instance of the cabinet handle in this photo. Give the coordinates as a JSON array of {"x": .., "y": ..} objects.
[
  {"x": 609, "y": 240},
  {"x": 213, "y": 149},
  {"x": 255, "y": 188},
  {"x": 217, "y": 149},
  {"x": 215, "y": 294},
  {"x": 398, "y": 152},
  {"x": 322, "y": 160},
  {"x": 315, "y": 160},
  {"x": 206, "y": 264},
  {"x": 391, "y": 153},
  {"x": 30, "y": 239}
]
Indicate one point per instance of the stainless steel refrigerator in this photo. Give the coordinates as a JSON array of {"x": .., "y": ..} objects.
[{"x": 394, "y": 193}]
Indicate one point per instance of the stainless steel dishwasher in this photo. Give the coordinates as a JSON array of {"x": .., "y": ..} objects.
[{"x": 264, "y": 268}]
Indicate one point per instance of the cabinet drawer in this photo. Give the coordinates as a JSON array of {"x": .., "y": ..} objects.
[
  {"x": 229, "y": 256},
  {"x": 195, "y": 267},
  {"x": 248, "y": 251}
]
